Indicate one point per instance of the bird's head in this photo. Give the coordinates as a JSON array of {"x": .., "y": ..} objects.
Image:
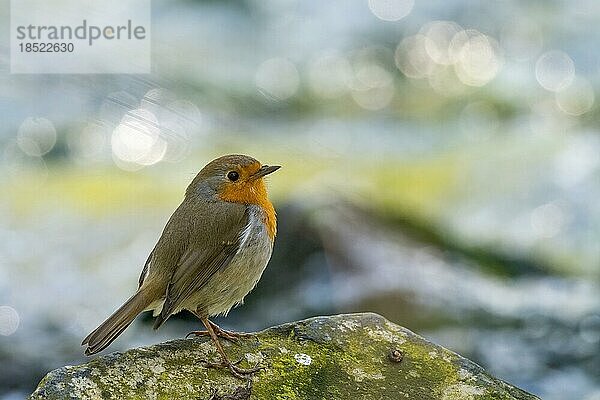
[{"x": 234, "y": 178}]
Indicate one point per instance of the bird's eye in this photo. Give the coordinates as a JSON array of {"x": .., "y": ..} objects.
[{"x": 233, "y": 176}]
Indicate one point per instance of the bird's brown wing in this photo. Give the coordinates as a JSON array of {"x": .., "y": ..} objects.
[{"x": 202, "y": 259}]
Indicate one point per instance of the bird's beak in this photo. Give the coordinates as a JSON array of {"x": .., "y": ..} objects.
[{"x": 265, "y": 170}]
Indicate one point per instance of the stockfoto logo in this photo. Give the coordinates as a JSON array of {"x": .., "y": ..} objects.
[
  {"x": 110, "y": 36},
  {"x": 83, "y": 31}
]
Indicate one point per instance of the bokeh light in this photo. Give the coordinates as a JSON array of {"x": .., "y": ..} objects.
[
  {"x": 476, "y": 57},
  {"x": 412, "y": 58},
  {"x": 554, "y": 70},
  {"x": 372, "y": 87},
  {"x": 136, "y": 139},
  {"x": 438, "y": 36},
  {"x": 391, "y": 10},
  {"x": 577, "y": 98},
  {"x": 36, "y": 136},
  {"x": 277, "y": 78},
  {"x": 9, "y": 320}
]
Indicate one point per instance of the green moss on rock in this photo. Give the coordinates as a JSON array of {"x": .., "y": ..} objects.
[{"x": 337, "y": 357}]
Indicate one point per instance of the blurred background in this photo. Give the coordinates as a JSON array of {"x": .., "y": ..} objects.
[{"x": 441, "y": 168}]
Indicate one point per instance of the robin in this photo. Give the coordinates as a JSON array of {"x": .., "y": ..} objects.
[{"x": 211, "y": 254}]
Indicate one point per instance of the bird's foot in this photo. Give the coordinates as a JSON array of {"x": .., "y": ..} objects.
[
  {"x": 222, "y": 333},
  {"x": 236, "y": 371}
]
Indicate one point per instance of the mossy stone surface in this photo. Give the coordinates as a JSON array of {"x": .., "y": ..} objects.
[{"x": 356, "y": 356}]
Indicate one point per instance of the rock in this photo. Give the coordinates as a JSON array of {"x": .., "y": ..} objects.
[{"x": 339, "y": 357}]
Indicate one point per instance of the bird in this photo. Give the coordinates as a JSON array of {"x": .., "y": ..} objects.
[{"x": 210, "y": 255}]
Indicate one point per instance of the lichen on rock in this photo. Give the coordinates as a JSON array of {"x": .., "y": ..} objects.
[{"x": 338, "y": 357}]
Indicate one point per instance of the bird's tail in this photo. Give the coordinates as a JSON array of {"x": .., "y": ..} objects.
[{"x": 114, "y": 325}]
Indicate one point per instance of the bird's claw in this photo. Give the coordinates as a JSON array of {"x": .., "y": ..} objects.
[
  {"x": 222, "y": 333},
  {"x": 198, "y": 333}
]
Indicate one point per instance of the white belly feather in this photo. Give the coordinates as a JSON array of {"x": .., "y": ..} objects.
[{"x": 228, "y": 287}]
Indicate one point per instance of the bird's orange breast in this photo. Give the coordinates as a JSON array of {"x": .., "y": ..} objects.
[{"x": 253, "y": 192}]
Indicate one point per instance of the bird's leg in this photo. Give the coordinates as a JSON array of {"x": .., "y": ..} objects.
[
  {"x": 235, "y": 370},
  {"x": 220, "y": 332}
]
